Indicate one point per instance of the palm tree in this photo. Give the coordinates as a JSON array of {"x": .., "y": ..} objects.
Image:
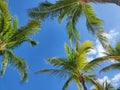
[
  {"x": 71, "y": 10},
  {"x": 72, "y": 66},
  {"x": 112, "y": 54},
  {"x": 12, "y": 36},
  {"x": 105, "y": 85}
]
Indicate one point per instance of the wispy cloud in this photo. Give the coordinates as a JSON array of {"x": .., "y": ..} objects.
[{"x": 116, "y": 80}]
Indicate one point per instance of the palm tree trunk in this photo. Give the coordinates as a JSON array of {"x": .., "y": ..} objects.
[
  {"x": 84, "y": 85},
  {"x": 82, "y": 81},
  {"x": 117, "y": 2}
]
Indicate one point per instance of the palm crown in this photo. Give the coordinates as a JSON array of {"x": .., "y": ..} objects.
[
  {"x": 72, "y": 11},
  {"x": 72, "y": 65},
  {"x": 12, "y": 36}
]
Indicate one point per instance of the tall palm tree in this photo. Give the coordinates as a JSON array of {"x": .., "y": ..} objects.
[
  {"x": 72, "y": 66},
  {"x": 112, "y": 54},
  {"x": 71, "y": 10},
  {"x": 12, "y": 36}
]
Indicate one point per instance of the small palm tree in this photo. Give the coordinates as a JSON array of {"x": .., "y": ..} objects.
[
  {"x": 12, "y": 36},
  {"x": 105, "y": 85},
  {"x": 112, "y": 54},
  {"x": 72, "y": 65},
  {"x": 72, "y": 10}
]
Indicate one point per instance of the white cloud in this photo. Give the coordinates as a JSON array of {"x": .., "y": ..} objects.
[
  {"x": 116, "y": 80},
  {"x": 112, "y": 34}
]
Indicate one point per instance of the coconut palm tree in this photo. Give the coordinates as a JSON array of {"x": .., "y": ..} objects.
[
  {"x": 71, "y": 10},
  {"x": 12, "y": 36},
  {"x": 105, "y": 85},
  {"x": 112, "y": 54},
  {"x": 72, "y": 66}
]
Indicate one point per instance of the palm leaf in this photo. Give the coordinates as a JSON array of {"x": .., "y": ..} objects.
[
  {"x": 94, "y": 24},
  {"x": 96, "y": 84},
  {"x": 78, "y": 84},
  {"x": 97, "y": 61},
  {"x": 110, "y": 67},
  {"x": 67, "y": 82},
  {"x": 61, "y": 73},
  {"x": 60, "y": 62},
  {"x": 20, "y": 64},
  {"x": 4, "y": 64}
]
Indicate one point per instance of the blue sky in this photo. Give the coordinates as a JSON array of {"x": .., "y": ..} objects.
[{"x": 52, "y": 37}]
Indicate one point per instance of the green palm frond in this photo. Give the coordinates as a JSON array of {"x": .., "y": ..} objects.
[
  {"x": 110, "y": 67},
  {"x": 67, "y": 82},
  {"x": 67, "y": 49},
  {"x": 78, "y": 83},
  {"x": 18, "y": 63},
  {"x": 61, "y": 73},
  {"x": 97, "y": 61},
  {"x": 21, "y": 34},
  {"x": 85, "y": 47},
  {"x": 73, "y": 17},
  {"x": 93, "y": 24},
  {"x": 96, "y": 84},
  {"x": 5, "y": 17},
  {"x": 60, "y": 62},
  {"x": 27, "y": 30},
  {"x": 81, "y": 50},
  {"x": 48, "y": 9},
  {"x": 4, "y": 64}
]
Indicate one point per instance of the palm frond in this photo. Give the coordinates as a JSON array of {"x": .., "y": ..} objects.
[
  {"x": 5, "y": 16},
  {"x": 48, "y": 9},
  {"x": 21, "y": 35},
  {"x": 97, "y": 61},
  {"x": 26, "y": 31},
  {"x": 11, "y": 29},
  {"x": 67, "y": 49},
  {"x": 94, "y": 25},
  {"x": 110, "y": 67},
  {"x": 81, "y": 50},
  {"x": 78, "y": 84},
  {"x": 67, "y": 82},
  {"x": 4, "y": 64},
  {"x": 62, "y": 73},
  {"x": 96, "y": 84},
  {"x": 60, "y": 62},
  {"x": 19, "y": 64},
  {"x": 72, "y": 18}
]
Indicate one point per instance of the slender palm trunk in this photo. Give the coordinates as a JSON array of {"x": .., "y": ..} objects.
[
  {"x": 106, "y": 1},
  {"x": 82, "y": 81},
  {"x": 84, "y": 85}
]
